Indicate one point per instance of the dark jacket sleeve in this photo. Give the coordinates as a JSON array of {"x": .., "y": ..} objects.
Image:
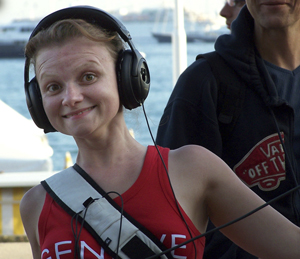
[{"x": 190, "y": 115}]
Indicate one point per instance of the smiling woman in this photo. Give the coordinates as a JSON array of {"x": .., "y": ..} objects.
[
  {"x": 65, "y": 83},
  {"x": 122, "y": 198}
]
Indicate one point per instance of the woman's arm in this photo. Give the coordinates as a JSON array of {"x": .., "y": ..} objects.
[
  {"x": 30, "y": 208},
  {"x": 266, "y": 233}
]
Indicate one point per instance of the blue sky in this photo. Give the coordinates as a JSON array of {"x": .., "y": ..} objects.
[{"x": 40, "y": 8}]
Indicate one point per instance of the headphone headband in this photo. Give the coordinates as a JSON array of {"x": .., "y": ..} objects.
[{"x": 87, "y": 13}]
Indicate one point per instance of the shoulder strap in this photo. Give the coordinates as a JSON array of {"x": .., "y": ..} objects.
[
  {"x": 231, "y": 92},
  {"x": 101, "y": 218}
]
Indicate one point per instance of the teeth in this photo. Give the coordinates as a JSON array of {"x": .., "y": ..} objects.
[{"x": 79, "y": 113}]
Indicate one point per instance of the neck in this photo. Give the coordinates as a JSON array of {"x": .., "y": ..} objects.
[
  {"x": 279, "y": 46},
  {"x": 108, "y": 153},
  {"x": 115, "y": 164}
]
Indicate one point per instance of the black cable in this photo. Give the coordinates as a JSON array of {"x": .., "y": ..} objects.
[
  {"x": 121, "y": 220},
  {"x": 233, "y": 221},
  {"x": 284, "y": 148},
  {"x": 76, "y": 238},
  {"x": 226, "y": 224},
  {"x": 192, "y": 239},
  {"x": 166, "y": 169},
  {"x": 77, "y": 234}
]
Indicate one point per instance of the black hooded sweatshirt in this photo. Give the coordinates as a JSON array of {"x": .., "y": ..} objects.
[{"x": 253, "y": 149}]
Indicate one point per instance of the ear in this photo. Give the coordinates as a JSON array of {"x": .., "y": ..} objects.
[
  {"x": 35, "y": 106},
  {"x": 133, "y": 79}
]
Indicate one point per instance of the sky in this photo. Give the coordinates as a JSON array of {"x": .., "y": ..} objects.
[{"x": 13, "y": 9}]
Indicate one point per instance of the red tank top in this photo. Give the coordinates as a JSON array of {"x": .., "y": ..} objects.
[{"x": 150, "y": 201}]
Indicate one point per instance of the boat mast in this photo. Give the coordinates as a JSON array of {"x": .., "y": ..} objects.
[{"x": 179, "y": 45}]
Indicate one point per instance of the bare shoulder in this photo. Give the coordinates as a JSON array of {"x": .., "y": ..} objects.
[
  {"x": 193, "y": 170},
  {"x": 30, "y": 208},
  {"x": 197, "y": 166},
  {"x": 191, "y": 150},
  {"x": 33, "y": 199},
  {"x": 193, "y": 158}
]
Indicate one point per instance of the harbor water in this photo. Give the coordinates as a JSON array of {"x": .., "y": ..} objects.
[{"x": 159, "y": 59}]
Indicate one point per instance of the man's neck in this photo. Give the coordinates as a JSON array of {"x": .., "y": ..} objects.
[{"x": 279, "y": 47}]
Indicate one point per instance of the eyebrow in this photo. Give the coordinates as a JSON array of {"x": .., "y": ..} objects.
[{"x": 84, "y": 65}]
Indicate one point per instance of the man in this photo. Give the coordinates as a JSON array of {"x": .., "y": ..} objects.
[
  {"x": 231, "y": 10},
  {"x": 263, "y": 146}
]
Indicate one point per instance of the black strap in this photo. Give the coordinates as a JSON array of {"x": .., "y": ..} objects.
[{"x": 231, "y": 92}]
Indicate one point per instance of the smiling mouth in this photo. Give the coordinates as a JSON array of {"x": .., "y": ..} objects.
[
  {"x": 275, "y": 3},
  {"x": 78, "y": 113}
]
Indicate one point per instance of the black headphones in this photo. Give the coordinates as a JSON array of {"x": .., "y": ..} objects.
[{"x": 132, "y": 70}]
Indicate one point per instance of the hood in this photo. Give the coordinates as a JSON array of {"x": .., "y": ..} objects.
[{"x": 239, "y": 51}]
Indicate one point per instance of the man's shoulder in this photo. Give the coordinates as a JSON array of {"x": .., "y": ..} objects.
[
  {"x": 198, "y": 73},
  {"x": 200, "y": 63}
]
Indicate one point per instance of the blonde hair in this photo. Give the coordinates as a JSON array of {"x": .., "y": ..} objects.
[{"x": 64, "y": 30}]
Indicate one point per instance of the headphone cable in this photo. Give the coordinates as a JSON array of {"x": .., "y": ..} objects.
[
  {"x": 283, "y": 146},
  {"x": 226, "y": 224},
  {"x": 173, "y": 193},
  {"x": 77, "y": 234},
  {"x": 121, "y": 221}
]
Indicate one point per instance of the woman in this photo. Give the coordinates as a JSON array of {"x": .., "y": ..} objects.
[{"x": 75, "y": 67}]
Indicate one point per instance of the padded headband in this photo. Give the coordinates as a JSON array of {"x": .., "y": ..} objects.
[{"x": 86, "y": 13}]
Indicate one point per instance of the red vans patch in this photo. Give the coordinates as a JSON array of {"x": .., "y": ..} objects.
[{"x": 264, "y": 164}]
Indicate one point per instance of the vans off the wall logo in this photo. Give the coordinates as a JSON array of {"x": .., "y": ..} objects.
[{"x": 264, "y": 164}]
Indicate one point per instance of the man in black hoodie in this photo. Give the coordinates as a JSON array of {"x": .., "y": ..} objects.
[{"x": 263, "y": 143}]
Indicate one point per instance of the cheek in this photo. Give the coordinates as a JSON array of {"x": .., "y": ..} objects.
[
  {"x": 297, "y": 11},
  {"x": 114, "y": 100},
  {"x": 113, "y": 93},
  {"x": 236, "y": 12},
  {"x": 50, "y": 109},
  {"x": 251, "y": 8}
]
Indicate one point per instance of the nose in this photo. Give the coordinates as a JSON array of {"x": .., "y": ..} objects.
[
  {"x": 72, "y": 95},
  {"x": 226, "y": 11}
]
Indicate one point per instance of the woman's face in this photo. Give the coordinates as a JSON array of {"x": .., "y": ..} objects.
[{"x": 78, "y": 87}]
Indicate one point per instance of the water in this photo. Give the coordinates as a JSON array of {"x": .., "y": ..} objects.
[{"x": 159, "y": 59}]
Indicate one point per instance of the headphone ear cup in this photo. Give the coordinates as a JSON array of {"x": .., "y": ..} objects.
[
  {"x": 133, "y": 79},
  {"x": 35, "y": 106}
]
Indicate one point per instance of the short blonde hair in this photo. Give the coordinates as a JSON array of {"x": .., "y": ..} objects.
[{"x": 64, "y": 30}]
